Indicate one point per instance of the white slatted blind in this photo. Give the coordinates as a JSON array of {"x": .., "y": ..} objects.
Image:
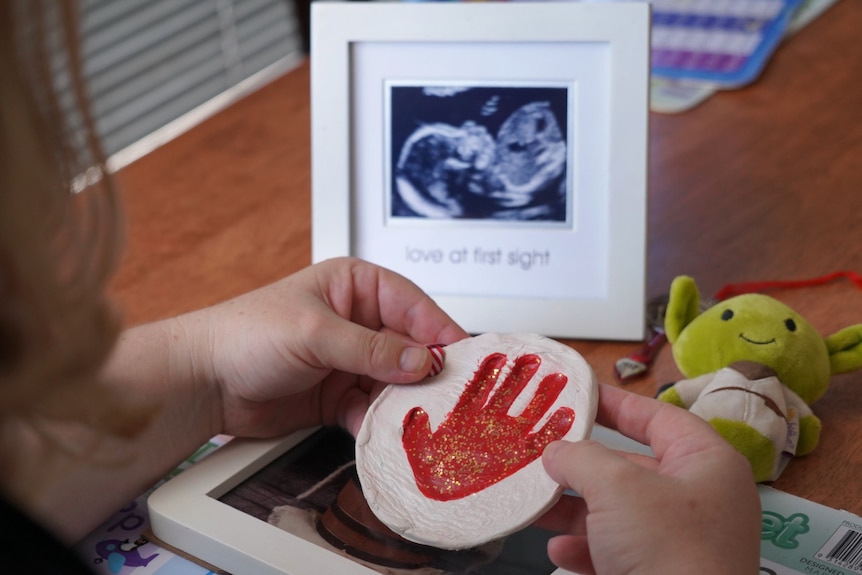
[{"x": 150, "y": 62}]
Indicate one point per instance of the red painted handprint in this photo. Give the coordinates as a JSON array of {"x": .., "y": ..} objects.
[{"x": 479, "y": 444}]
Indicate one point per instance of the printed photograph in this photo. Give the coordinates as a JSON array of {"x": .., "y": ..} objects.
[
  {"x": 313, "y": 492},
  {"x": 465, "y": 152}
]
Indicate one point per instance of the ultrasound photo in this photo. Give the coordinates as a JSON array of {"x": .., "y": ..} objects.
[{"x": 461, "y": 152}]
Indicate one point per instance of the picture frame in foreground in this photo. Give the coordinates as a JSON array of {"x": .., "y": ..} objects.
[
  {"x": 286, "y": 507},
  {"x": 493, "y": 153}
]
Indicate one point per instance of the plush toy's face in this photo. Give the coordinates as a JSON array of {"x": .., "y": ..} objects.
[{"x": 758, "y": 328}]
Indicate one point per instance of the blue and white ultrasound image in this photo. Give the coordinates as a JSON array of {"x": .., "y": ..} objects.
[{"x": 480, "y": 153}]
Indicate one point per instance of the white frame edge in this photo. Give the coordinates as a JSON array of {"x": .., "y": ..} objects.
[
  {"x": 625, "y": 26},
  {"x": 185, "y": 513}
]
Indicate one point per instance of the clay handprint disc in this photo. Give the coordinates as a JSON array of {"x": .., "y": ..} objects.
[{"x": 455, "y": 461}]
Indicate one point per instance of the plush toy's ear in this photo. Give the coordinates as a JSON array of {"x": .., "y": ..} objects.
[
  {"x": 845, "y": 349},
  {"x": 683, "y": 306}
]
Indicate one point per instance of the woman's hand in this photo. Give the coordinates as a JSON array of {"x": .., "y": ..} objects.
[
  {"x": 693, "y": 508},
  {"x": 315, "y": 347}
]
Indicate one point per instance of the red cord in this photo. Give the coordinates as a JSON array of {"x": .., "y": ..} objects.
[{"x": 730, "y": 290}]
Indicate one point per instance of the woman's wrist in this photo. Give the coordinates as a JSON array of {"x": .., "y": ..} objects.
[{"x": 191, "y": 338}]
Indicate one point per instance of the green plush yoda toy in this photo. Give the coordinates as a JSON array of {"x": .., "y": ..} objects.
[{"x": 754, "y": 367}]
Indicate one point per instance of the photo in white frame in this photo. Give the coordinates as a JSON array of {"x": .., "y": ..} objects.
[
  {"x": 200, "y": 513},
  {"x": 493, "y": 153},
  {"x": 260, "y": 507}
]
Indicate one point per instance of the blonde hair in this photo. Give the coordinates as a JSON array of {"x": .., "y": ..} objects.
[{"x": 60, "y": 234}]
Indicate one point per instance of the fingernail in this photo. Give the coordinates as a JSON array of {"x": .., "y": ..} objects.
[{"x": 412, "y": 359}]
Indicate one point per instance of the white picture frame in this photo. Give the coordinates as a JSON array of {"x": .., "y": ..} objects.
[
  {"x": 509, "y": 228},
  {"x": 188, "y": 513}
]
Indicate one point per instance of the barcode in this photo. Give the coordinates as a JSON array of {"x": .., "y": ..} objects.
[{"x": 844, "y": 548}]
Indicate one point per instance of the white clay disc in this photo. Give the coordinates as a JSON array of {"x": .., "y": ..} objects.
[{"x": 436, "y": 483}]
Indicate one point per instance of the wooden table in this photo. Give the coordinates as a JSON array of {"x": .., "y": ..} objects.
[{"x": 761, "y": 183}]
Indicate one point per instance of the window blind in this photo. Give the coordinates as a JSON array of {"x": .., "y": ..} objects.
[{"x": 150, "y": 63}]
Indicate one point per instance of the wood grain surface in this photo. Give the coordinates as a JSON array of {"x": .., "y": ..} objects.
[{"x": 759, "y": 183}]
